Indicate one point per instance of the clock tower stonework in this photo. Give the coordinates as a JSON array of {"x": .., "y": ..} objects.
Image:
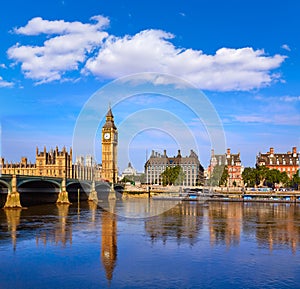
[{"x": 109, "y": 149}]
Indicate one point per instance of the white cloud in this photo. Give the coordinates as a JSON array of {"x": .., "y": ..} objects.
[
  {"x": 285, "y": 47},
  {"x": 67, "y": 48},
  {"x": 152, "y": 51},
  {"x": 38, "y": 26},
  {"x": 76, "y": 46},
  {"x": 2, "y": 65},
  {"x": 276, "y": 119},
  {"x": 288, "y": 98},
  {"x": 4, "y": 83}
]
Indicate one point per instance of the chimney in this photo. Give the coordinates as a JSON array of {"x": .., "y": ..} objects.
[
  {"x": 228, "y": 151},
  {"x": 165, "y": 153},
  {"x": 212, "y": 152},
  {"x": 271, "y": 151},
  {"x": 294, "y": 150},
  {"x": 179, "y": 154}
]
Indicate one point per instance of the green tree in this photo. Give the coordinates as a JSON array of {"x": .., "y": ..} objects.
[
  {"x": 224, "y": 177},
  {"x": 296, "y": 180},
  {"x": 284, "y": 179},
  {"x": 173, "y": 176},
  {"x": 272, "y": 178},
  {"x": 249, "y": 176},
  {"x": 261, "y": 174},
  {"x": 127, "y": 179}
]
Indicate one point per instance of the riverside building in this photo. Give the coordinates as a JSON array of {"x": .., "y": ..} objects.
[
  {"x": 191, "y": 167},
  {"x": 284, "y": 162},
  {"x": 233, "y": 164},
  {"x": 54, "y": 163}
]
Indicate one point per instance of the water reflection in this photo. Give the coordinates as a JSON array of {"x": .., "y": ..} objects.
[
  {"x": 218, "y": 224},
  {"x": 181, "y": 222},
  {"x": 13, "y": 217},
  {"x": 60, "y": 232},
  {"x": 270, "y": 224},
  {"x": 225, "y": 222},
  {"x": 109, "y": 240},
  {"x": 276, "y": 225}
]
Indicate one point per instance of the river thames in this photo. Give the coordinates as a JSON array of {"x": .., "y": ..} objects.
[{"x": 192, "y": 245}]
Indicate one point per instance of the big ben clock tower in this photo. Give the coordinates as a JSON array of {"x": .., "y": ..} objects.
[{"x": 109, "y": 149}]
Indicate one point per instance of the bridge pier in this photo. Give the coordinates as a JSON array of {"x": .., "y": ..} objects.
[
  {"x": 63, "y": 197},
  {"x": 112, "y": 193},
  {"x": 13, "y": 196},
  {"x": 93, "y": 194}
]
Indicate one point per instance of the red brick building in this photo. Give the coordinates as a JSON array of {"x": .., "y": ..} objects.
[
  {"x": 284, "y": 162},
  {"x": 234, "y": 166}
]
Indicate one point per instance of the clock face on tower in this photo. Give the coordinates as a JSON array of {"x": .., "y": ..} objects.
[{"x": 107, "y": 136}]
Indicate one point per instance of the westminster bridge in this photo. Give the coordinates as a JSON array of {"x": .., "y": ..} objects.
[{"x": 32, "y": 190}]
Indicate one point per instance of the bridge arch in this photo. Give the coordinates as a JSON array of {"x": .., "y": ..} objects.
[
  {"x": 38, "y": 191},
  {"x": 4, "y": 189},
  {"x": 102, "y": 187},
  {"x": 42, "y": 180},
  {"x": 75, "y": 187},
  {"x": 5, "y": 184}
]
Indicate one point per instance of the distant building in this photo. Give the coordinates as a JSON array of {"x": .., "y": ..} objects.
[
  {"x": 129, "y": 171},
  {"x": 86, "y": 169},
  {"x": 157, "y": 163},
  {"x": 54, "y": 163},
  {"x": 284, "y": 162},
  {"x": 22, "y": 168},
  {"x": 233, "y": 164}
]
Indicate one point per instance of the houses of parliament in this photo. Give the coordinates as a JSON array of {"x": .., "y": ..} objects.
[{"x": 58, "y": 163}]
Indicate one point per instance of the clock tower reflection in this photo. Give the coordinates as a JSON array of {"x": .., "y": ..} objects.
[{"x": 109, "y": 240}]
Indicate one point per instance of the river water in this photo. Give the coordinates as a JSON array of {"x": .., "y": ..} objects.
[{"x": 192, "y": 245}]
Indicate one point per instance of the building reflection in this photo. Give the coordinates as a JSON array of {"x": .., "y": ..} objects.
[
  {"x": 109, "y": 240},
  {"x": 225, "y": 222},
  {"x": 62, "y": 231},
  {"x": 270, "y": 225},
  {"x": 276, "y": 224},
  {"x": 181, "y": 222},
  {"x": 13, "y": 217}
]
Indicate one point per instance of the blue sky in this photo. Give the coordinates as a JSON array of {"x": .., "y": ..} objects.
[{"x": 243, "y": 55}]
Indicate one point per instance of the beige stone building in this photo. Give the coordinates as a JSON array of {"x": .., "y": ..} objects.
[
  {"x": 54, "y": 163},
  {"x": 190, "y": 165}
]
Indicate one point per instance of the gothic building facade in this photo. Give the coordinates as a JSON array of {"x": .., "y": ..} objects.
[{"x": 54, "y": 163}]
